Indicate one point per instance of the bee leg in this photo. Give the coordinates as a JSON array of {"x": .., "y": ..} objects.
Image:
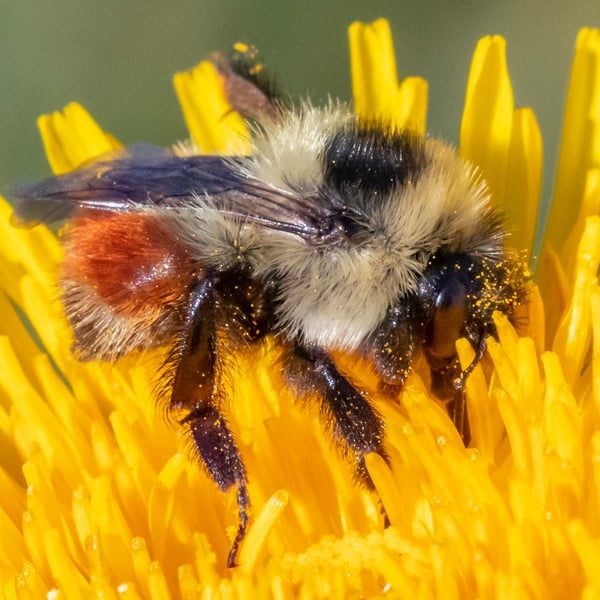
[
  {"x": 448, "y": 383},
  {"x": 446, "y": 324},
  {"x": 391, "y": 347},
  {"x": 219, "y": 452},
  {"x": 354, "y": 423},
  {"x": 457, "y": 407},
  {"x": 448, "y": 386},
  {"x": 194, "y": 361}
]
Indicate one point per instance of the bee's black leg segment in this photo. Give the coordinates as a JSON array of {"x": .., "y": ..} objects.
[
  {"x": 352, "y": 420},
  {"x": 217, "y": 447},
  {"x": 194, "y": 361},
  {"x": 479, "y": 352},
  {"x": 457, "y": 411},
  {"x": 219, "y": 452},
  {"x": 243, "y": 505}
]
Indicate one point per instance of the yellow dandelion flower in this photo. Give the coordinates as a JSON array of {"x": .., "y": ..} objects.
[{"x": 102, "y": 499}]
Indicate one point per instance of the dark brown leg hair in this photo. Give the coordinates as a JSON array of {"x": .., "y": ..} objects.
[
  {"x": 354, "y": 424},
  {"x": 194, "y": 361}
]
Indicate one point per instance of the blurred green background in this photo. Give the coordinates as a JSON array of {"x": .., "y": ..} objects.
[{"x": 117, "y": 57}]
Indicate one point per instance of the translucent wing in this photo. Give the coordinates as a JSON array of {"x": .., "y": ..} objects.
[{"x": 146, "y": 176}]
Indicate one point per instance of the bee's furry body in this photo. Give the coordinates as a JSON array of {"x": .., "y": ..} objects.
[
  {"x": 336, "y": 295},
  {"x": 331, "y": 235}
]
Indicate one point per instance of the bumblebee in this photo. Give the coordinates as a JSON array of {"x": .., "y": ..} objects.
[{"x": 331, "y": 235}]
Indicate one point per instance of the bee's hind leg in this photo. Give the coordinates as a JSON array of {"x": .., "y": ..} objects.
[
  {"x": 219, "y": 453},
  {"x": 193, "y": 363}
]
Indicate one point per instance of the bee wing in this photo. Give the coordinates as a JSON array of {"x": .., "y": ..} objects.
[
  {"x": 145, "y": 176},
  {"x": 140, "y": 176}
]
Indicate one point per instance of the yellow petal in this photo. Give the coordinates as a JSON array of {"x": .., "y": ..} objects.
[
  {"x": 214, "y": 126},
  {"x": 72, "y": 138},
  {"x": 588, "y": 547},
  {"x": 487, "y": 122},
  {"x": 574, "y": 332},
  {"x": 409, "y": 105},
  {"x": 486, "y": 426},
  {"x": 560, "y": 414},
  {"x": 588, "y": 207},
  {"x": 595, "y": 308},
  {"x": 257, "y": 534},
  {"x": 524, "y": 180},
  {"x": 377, "y": 94},
  {"x": 580, "y": 145},
  {"x": 373, "y": 65}
]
